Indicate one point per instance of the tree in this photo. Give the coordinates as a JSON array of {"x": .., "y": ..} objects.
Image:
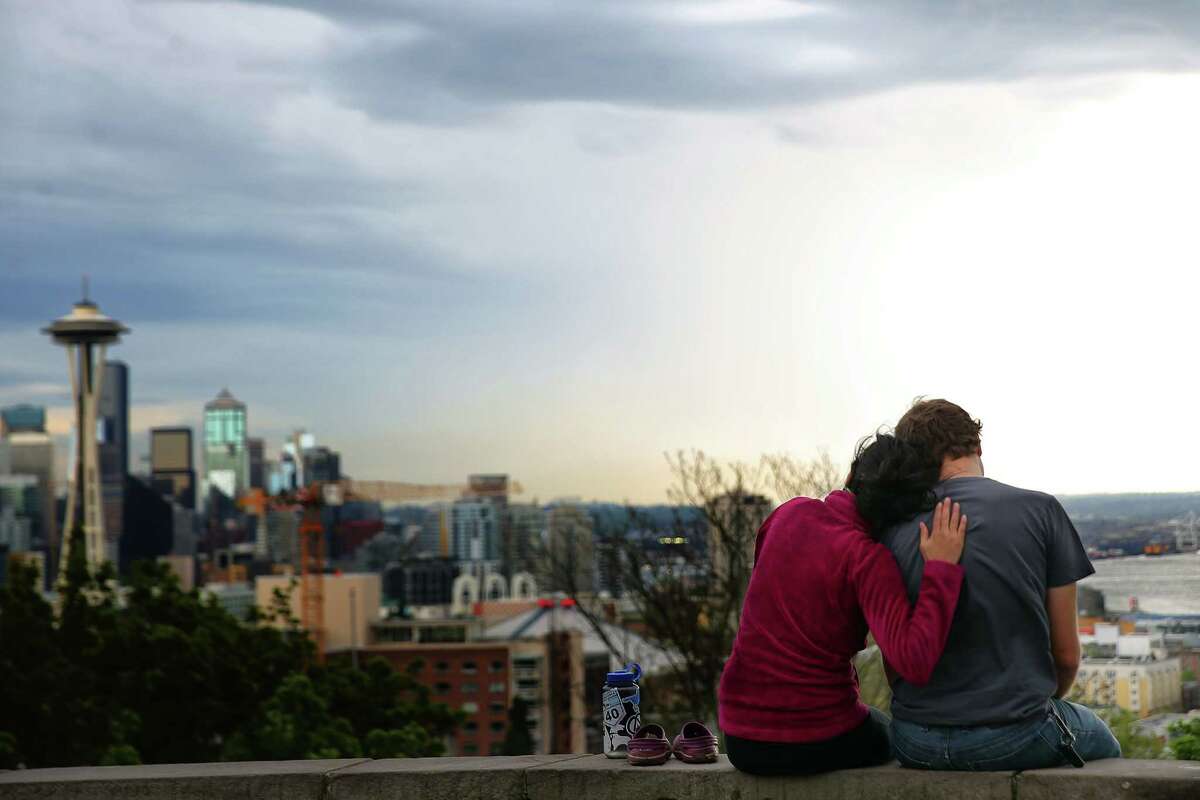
[
  {"x": 686, "y": 578},
  {"x": 389, "y": 711},
  {"x": 1185, "y": 739},
  {"x": 150, "y": 673},
  {"x": 518, "y": 741},
  {"x": 1134, "y": 743},
  {"x": 295, "y": 723}
]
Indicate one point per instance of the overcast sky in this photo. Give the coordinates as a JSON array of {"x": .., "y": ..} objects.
[{"x": 557, "y": 238}]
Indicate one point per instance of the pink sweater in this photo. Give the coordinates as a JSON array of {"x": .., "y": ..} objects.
[{"x": 819, "y": 582}]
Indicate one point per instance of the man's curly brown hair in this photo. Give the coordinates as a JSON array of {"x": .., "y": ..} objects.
[{"x": 940, "y": 427}]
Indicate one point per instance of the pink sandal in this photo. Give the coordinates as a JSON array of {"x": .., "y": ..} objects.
[
  {"x": 649, "y": 746},
  {"x": 695, "y": 744}
]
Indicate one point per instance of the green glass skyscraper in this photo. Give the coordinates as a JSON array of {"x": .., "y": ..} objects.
[{"x": 226, "y": 455}]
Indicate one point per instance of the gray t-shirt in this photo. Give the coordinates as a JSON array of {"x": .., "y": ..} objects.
[{"x": 997, "y": 666}]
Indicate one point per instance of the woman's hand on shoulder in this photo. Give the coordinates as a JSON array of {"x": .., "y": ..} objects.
[{"x": 949, "y": 535}]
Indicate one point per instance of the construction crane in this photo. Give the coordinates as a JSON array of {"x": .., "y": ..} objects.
[{"x": 311, "y": 532}]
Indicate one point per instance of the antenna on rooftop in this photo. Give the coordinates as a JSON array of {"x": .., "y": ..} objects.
[{"x": 85, "y": 288}]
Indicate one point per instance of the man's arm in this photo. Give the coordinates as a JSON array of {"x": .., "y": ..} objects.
[{"x": 1064, "y": 634}]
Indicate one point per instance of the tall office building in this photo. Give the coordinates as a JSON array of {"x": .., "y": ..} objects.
[
  {"x": 20, "y": 508},
  {"x": 171, "y": 465},
  {"x": 526, "y": 531},
  {"x": 26, "y": 449},
  {"x": 475, "y": 530},
  {"x": 226, "y": 455},
  {"x": 113, "y": 422},
  {"x": 732, "y": 528},
  {"x": 493, "y": 488},
  {"x": 258, "y": 463},
  {"x": 570, "y": 564},
  {"x": 322, "y": 465},
  {"x": 292, "y": 462},
  {"x": 149, "y": 526},
  {"x": 22, "y": 418},
  {"x": 113, "y": 439}
]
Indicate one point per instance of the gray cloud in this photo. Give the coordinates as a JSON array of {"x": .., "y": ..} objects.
[{"x": 446, "y": 61}]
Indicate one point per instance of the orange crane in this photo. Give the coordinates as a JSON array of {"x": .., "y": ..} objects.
[{"x": 310, "y": 500}]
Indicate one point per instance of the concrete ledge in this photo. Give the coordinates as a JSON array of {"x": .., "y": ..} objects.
[
  {"x": 1115, "y": 778},
  {"x": 600, "y": 778},
  {"x": 271, "y": 780},
  {"x": 587, "y": 778},
  {"x": 471, "y": 778}
]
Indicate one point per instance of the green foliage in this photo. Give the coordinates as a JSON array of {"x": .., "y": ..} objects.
[
  {"x": 390, "y": 704},
  {"x": 1187, "y": 676},
  {"x": 517, "y": 740},
  {"x": 1185, "y": 739},
  {"x": 1133, "y": 744},
  {"x": 294, "y": 723},
  {"x": 8, "y": 751},
  {"x": 159, "y": 675}
]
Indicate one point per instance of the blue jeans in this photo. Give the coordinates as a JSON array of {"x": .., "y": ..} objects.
[{"x": 1030, "y": 744}]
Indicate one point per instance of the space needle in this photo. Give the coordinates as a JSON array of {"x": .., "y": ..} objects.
[{"x": 86, "y": 334}]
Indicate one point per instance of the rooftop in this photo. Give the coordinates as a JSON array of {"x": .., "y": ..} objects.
[
  {"x": 224, "y": 399},
  {"x": 537, "y": 623}
]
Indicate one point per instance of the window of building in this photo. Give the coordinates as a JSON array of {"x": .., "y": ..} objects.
[
  {"x": 469, "y": 688},
  {"x": 497, "y": 666},
  {"x": 497, "y": 727},
  {"x": 441, "y": 667},
  {"x": 497, "y": 708},
  {"x": 441, "y": 688},
  {"x": 470, "y": 749},
  {"x": 470, "y": 708},
  {"x": 497, "y": 749},
  {"x": 443, "y": 633},
  {"x": 469, "y": 668},
  {"x": 497, "y": 687},
  {"x": 471, "y": 726}
]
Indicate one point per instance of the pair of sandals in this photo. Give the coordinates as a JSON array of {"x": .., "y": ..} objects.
[{"x": 695, "y": 744}]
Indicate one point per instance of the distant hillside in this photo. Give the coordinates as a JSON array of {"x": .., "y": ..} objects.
[{"x": 1132, "y": 507}]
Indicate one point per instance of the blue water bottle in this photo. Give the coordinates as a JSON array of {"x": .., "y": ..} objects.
[{"x": 622, "y": 704}]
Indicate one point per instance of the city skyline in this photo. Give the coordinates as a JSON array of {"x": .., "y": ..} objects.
[{"x": 446, "y": 245}]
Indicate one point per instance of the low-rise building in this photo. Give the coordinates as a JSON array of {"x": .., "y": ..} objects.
[
  {"x": 351, "y": 604},
  {"x": 1142, "y": 685},
  {"x": 481, "y": 678}
]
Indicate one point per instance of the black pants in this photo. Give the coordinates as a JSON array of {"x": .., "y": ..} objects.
[{"x": 868, "y": 745}]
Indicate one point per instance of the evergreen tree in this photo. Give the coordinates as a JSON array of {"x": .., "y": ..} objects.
[
  {"x": 518, "y": 741},
  {"x": 154, "y": 674}
]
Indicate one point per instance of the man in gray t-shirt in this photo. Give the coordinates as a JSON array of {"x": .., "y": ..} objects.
[
  {"x": 997, "y": 666},
  {"x": 994, "y": 700}
]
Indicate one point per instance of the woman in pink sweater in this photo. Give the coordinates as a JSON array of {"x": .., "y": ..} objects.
[{"x": 788, "y": 702}]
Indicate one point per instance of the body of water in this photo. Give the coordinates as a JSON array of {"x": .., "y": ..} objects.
[{"x": 1161, "y": 584}]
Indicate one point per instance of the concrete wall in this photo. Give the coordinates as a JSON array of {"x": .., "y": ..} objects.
[{"x": 588, "y": 778}]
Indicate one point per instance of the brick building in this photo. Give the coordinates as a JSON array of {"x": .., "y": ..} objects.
[{"x": 481, "y": 678}]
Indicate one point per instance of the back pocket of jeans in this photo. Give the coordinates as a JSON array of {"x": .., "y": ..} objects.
[
  {"x": 1034, "y": 752},
  {"x": 906, "y": 760}
]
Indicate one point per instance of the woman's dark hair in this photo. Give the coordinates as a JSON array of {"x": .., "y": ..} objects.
[{"x": 892, "y": 481}]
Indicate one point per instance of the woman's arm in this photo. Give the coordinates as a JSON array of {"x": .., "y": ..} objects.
[{"x": 912, "y": 637}]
